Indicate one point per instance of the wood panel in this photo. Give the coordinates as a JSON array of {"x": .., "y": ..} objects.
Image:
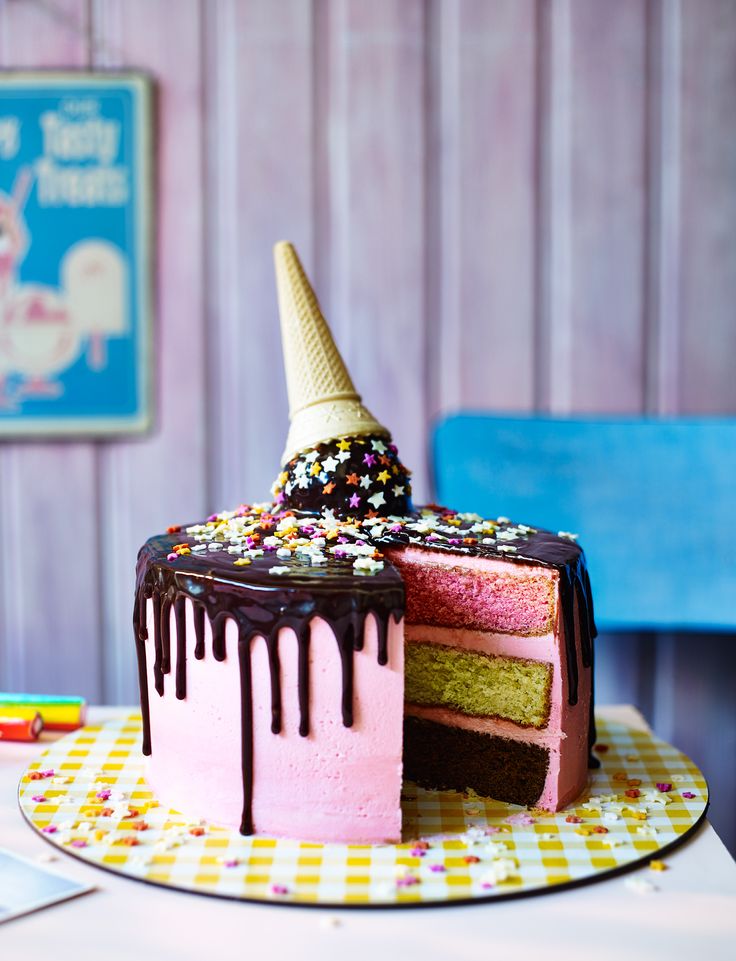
[
  {"x": 375, "y": 206},
  {"x": 482, "y": 213},
  {"x": 260, "y": 189},
  {"x": 593, "y": 248},
  {"x": 145, "y": 485},
  {"x": 49, "y": 620},
  {"x": 708, "y": 204}
]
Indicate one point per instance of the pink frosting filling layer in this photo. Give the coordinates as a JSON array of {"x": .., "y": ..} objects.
[{"x": 337, "y": 784}]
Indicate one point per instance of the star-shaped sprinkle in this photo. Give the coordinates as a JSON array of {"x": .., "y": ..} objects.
[
  {"x": 398, "y": 490},
  {"x": 384, "y": 476},
  {"x": 343, "y": 444},
  {"x": 384, "y": 460},
  {"x": 377, "y": 499},
  {"x": 329, "y": 464},
  {"x": 365, "y": 481},
  {"x": 315, "y": 469},
  {"x": 369, "y": 459},
  {"x": 343, "y": 456},
  {"x": 352, "y": 479},
  {"x": 354, "y": 501},
  {"x": 328, "y": 488},
  {"x": 378, "y": 446}
]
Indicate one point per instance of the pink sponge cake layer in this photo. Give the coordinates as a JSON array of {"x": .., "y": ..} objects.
[{"x": 475, "y": 592}]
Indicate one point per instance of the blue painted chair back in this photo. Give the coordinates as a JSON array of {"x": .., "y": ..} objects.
[{"x": 653, "y": 500}]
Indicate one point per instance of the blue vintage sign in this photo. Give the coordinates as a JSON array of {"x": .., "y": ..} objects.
[{"x": 75, "y": 234}]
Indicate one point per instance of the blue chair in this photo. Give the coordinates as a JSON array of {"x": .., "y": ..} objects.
[{"x": 653, "y": 500}]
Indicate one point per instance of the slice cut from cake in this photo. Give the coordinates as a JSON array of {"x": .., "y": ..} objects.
[
  {"x": 293, "y": 656},
  {"x": 498, "y": 696}
]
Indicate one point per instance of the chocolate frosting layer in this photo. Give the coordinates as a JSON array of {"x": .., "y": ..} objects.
[{"x": 267, "y": 568}]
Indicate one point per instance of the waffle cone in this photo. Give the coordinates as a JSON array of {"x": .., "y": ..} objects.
[{"x": 323, "y": 401}]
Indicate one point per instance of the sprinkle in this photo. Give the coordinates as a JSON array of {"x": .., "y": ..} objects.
[
  {"x": 407, "y": 881},
  {"x": 620, "y": 776},
  {"x": 39, "y": 798},
  {"x": 573, "y": 819},
  {"x": 231, "y": 863},
  {"x": 279, "y": 889},
  {"x": 664, "y": 787},
  {"x": 129, "y": 841},
  {"x": 689, "y": 795},
  {"x": 79, "y": 843},
  {"x": 657, "y": 866},
  {"x": 633, "y": 793},
  {"x": 369, "y": 460},
  {"x": 279, "y": 569},
  {"x": 437, "y": 868},
  {"x": 471, "y": 859},
  {"x": 197, "y": 832},
  {"x": 634, "y": 781},
  {"x": 640, "y": 885},
  {"x": 417, "y": 852},
  {"x": 567, "y": 534},
  {"x": 352, "y": 479},
  {"x": 103, "y": 795},
  {"x": 50, "y": 829},
  {"x": 599, "y": 829},
  {"x": 244, "y": 561},
  {"x": 172, "y": 556},
  {"x": 521, "y": 817}
]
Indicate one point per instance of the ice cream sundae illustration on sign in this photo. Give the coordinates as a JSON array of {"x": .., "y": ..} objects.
[{"x": 74, "y": 254}]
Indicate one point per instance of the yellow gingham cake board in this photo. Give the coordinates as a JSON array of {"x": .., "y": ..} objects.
[{"x": 477, "y": 849}]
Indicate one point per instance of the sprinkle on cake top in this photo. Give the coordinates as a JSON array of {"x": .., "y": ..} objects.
[
  {"x": 354, "y": 476},
  {"x": 295, "y": 542}
]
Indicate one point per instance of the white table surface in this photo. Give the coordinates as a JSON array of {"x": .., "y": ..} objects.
[{"x": 692, "y": 915}]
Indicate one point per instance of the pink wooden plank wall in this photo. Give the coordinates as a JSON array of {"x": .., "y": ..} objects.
[{"x": 506, "y": 204}]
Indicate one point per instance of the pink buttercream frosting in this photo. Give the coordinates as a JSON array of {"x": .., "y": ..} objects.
[{"x": 336, "y": 784}]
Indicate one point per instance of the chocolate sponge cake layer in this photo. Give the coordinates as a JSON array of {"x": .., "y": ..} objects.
[{"x": 453, "y": 759}]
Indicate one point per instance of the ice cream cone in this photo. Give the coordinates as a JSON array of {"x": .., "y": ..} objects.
[{"x": 323, "y": 401}]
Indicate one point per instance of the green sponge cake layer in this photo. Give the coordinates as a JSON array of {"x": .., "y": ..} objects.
[{"x": 480, "y": 685}]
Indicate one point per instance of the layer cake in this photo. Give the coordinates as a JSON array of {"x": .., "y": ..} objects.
[{"x": 298, "y": 657}]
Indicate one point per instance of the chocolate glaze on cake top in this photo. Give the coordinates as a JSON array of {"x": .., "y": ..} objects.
[{"x": 316, "y": 552}]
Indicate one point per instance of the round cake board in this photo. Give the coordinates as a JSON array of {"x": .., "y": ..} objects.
[{"x": 87, "y": 795}]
